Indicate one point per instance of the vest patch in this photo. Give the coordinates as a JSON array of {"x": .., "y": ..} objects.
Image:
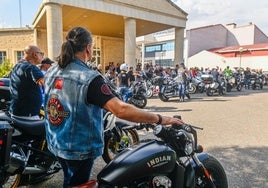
[
  {"x": 56, "y": 113},
  {"x": 58, "y": 83},
  {"x": 105, "y": 89}
]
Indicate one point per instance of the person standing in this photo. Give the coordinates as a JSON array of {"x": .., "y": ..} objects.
[
  {"x": 46, "y": 63},
  {"x": 131, "y": 75},
  {"x": 25, "y": 81},
  {"x": 247, "y": 74},
  {"x": 123, "y": 81},
  {"x": 75, "y": 97},
  {"x": 181, "y": 79}
]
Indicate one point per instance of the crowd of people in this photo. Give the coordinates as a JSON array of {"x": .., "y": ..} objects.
[{"x": 181, "y": 73}]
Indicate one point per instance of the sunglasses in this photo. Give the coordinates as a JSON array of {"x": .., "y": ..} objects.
[{"x": 41, "y": 53}]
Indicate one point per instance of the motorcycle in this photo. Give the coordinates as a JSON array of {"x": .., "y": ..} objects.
[
  {"x": 194, "y": 85},
  {"x": 168, "y": 89},
  {"x": 136, "y": 95},
  {"x": 25, "y": 159},
  {"x": 256, "y": 81},
  {"x": 29, "y": 161},
  {"x": 235, "y": 81},
  {"x": 173, "y": 159},
  {"x": 213, "y": 87},
  {"x": 152, "y": 87}
]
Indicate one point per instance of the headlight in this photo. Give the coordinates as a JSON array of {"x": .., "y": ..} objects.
[
  {"x": 189, "y": 148},
  {"x": 186, "y": 141}
]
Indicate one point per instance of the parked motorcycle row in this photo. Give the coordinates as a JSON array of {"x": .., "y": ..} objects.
[{"x": 166, "y": 87}]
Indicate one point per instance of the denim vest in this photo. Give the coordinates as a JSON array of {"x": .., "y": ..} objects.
[{"x": 74, "y": 127}]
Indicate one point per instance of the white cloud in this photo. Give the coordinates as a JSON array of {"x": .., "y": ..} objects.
[{"x": 241, "y": 12}]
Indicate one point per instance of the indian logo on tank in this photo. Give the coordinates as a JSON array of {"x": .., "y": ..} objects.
[
  {"x": 56, "y": 113},
  {"x": 159, "y": 161}
]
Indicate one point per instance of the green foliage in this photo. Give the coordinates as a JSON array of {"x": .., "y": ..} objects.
[{"x": 5, "y": 68}]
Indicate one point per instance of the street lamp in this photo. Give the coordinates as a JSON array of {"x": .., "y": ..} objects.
[{"x": 241, "y": 49}]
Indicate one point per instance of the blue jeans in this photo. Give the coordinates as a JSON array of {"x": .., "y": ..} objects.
[
  {"x": 124, "y": 93},
  {"x": 76, "y": 172},
  {"x": 182, "y": 88}
]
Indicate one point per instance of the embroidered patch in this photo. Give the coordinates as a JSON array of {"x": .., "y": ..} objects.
[
  {"x": 56, "y": 113},
  {"x": 105, "y": 89},
  {"x": 58, "y": 83}
]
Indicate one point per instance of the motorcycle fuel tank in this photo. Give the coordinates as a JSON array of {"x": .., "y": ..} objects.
[{"x": 140, "y": 161}]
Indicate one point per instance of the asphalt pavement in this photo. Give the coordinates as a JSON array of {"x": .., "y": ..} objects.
[{"x": 235, "y": 132}]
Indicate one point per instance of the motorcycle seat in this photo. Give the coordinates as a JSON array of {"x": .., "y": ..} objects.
[{"x": 32, "y": 127}]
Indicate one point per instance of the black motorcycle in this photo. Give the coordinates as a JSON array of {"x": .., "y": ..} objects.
[
  {"x": 168, "y": 89},
  {"x": 25, "y": 159},
  {"x": 173, "y": 159},
  {"x": 136, "y": 94},
  {"x": 256, "y": 81}
]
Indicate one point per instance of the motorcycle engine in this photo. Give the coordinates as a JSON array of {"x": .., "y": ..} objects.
[{"x": 161, "y": 182}]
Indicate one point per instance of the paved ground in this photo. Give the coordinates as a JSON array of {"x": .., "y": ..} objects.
[{"x": 235, "y": 132}]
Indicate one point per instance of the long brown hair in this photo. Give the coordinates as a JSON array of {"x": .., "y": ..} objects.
[{"x": 76, "y": 41}]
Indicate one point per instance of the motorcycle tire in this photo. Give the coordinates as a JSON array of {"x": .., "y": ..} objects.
[
  {"x": 162, "y": 97},
  {"x": 209, "y": 92},
  {"x": 216, "y": 171},
  {"x": 112, "y": 147},
  {"x": 229, "y": 88},
  {"x": 139, "y": 101},
  {"x": 12, "y": 181},
  {"x": 239, "y": 87},
  {"x": 191, "y": 88},
  {"x": 149, "y": 93}
]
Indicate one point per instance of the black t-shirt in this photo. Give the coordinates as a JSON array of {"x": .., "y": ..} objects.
[
  {"x": 99, "y": 92},
  {"x": 123, "y": 79}
]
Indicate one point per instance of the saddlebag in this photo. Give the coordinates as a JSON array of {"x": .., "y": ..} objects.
[{"x": 5, "y": 142}]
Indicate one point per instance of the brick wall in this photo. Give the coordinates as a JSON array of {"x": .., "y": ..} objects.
[{"x": 12, "y": 40}]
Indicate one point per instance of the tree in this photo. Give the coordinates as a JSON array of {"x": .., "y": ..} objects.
[{"x": 5, "y": 68}]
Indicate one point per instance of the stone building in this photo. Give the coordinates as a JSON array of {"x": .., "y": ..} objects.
[
  {"x": 13, "y": 41},
  {"x": 115, "y": 24}
]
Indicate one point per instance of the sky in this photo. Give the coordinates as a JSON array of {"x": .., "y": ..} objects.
[{"x": 16, "y": 13}]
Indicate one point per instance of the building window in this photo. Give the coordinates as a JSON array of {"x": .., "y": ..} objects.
[
  {"x": 19, "y": 55},
  {"x": 168, "y": 46},
  {"x": 3, "y": 56},
  {"x": 154, "y": 48},
  {"x": 96, "y": 56}
]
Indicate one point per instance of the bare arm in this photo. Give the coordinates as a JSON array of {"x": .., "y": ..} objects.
[
  {"x": 131, "y": 113},
  {"x": 40, "y": 82}
]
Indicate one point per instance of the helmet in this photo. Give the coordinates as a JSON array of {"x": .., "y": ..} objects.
[{"x": 124, "y": 67}]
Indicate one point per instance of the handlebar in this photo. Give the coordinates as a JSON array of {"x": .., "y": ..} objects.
[{"x": 168, "y": 133}]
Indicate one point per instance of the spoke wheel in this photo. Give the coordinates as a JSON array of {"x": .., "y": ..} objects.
[{"x": 112, "y": 147}]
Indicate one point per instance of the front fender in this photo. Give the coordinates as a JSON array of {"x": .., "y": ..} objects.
[
  {"x": 162, "y": 89},
  {"x": 201, "y": 156}
]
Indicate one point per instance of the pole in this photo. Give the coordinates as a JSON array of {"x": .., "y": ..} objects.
[
  {"x": 240, "y": 50},
  {"x": 20, "y": 12}
]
